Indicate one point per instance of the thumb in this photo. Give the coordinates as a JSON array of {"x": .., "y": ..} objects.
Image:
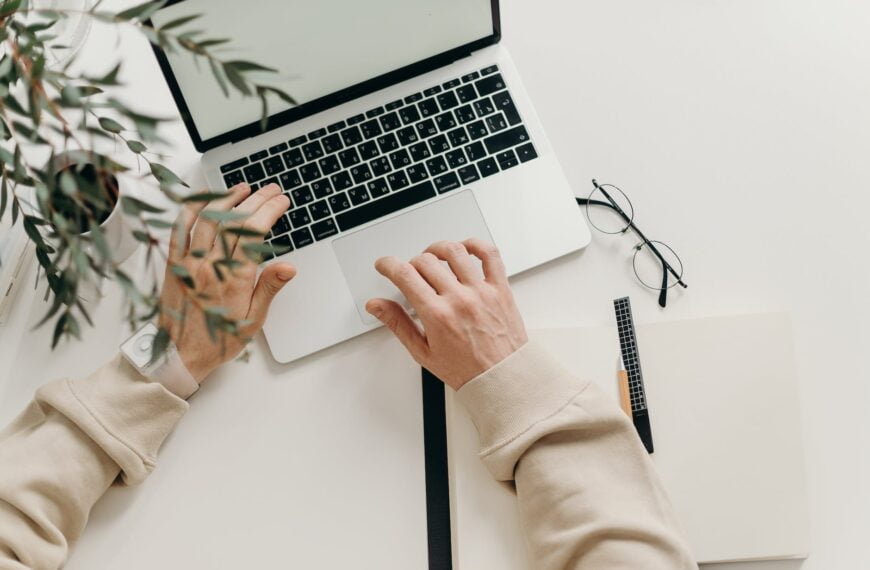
[
  {"x": 395, "y": 318},
  {"x": 271, "y": 281}
]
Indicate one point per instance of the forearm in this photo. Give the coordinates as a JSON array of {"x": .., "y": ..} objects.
[
  {"x": 62, "y": 453},
  {"x": 587, "y": 490}
]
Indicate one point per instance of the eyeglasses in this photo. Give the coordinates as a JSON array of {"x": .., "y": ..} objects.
[{"x": 656, "y": 265}]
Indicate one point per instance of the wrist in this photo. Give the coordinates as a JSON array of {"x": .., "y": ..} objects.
[{"x": 169, "y": 369}]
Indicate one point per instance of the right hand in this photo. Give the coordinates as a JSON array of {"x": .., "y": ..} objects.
[{"x": 470, "y": 323}]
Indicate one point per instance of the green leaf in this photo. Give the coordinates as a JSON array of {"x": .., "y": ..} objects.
[
  {"x": 182, "y": 273},
  {"x": 158, "y": 223},
  {"x": 134, "y": 206},
  {"x": 204, "y": 196},
  {"x": 111, "y": 125},
  {"x": 5, "y": 65},
  {"x": 159, "y": 346},
  {"x": 219, "y": 77},
  {"x": 178, "y": 22},
  {"x": 140, "y": 12},
  {"x": 142, "y": 236},
  {"x": 237, "y": 80},
  {"x": 165, "y": 176},
  {"x": 8, "y": 7},
  {"x": 243, "y": 232},
  {"x": 136, "y": 146},
  {"x": 59, "y": 328},
  {"x": 245, "y": 66},
  {"x": 4, "y": 193},
  {"x": 221, "y": 216}
]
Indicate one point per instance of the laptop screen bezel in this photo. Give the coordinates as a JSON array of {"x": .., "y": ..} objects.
[{"x": 322, "y": 103}]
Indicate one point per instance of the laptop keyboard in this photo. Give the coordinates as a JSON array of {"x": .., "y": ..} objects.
[{"x": 392, "y": 157}]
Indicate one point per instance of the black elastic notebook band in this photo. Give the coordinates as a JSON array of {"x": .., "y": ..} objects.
[{"x": 437, "y": 480}]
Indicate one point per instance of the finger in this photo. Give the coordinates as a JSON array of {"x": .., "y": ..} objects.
[
  {"x": 271, "y": 281},
  {"x": 179, "y": 240},
  {"x": 205, "y": 230},
  {"x": 248, "y": 207},
  {"x": 262, "y": 221},
  {"x": 455, "y": 254},
  {"x": 395, "y": 318},
  {"x": 435, "y": 273},
  {"x": 408, "y": 280},
  {"x": 489, "y": 255}
]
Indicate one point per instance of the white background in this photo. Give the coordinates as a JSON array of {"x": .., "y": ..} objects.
[{"x": 741, "y": 131}]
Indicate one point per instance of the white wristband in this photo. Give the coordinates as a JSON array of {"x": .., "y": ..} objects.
[{"x": 169, "y": 370}]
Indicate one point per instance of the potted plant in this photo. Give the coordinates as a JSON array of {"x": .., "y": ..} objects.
[{"x": 58, "y": 180}]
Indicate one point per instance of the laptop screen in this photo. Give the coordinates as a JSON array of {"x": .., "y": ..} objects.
[{"x": 318, "y": 47}]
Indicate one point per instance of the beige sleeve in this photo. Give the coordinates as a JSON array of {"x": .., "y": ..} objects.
[
  {"x": 64, "y": 451},
  {"x": 588, "y": 493}
]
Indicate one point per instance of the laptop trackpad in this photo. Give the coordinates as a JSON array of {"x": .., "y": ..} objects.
[{"x": 455, "y": 218}]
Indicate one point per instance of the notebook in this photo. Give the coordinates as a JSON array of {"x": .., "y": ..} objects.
[{"x": 725, "y": 415}]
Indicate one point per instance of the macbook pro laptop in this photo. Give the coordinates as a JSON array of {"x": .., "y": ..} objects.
[{"x": 411, "y": 126}]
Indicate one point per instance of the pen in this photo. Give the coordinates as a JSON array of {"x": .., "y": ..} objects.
[{"x": 624, "y": 396}]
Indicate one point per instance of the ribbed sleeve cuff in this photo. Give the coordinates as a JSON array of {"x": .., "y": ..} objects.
[{"x": 523, "y": 389}]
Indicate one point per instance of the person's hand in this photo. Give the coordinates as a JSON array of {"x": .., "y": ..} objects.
[
  {"x": 470, "y": 322},
  {"x": 244, "y": 297}
]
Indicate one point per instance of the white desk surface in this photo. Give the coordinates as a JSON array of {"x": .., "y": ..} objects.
[{"x": 741, "y": 131}]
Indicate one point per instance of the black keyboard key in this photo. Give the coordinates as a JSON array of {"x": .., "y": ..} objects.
[
  {"x": 397, "y": 180},
  {"x": 477, "y": 130},
  {"x": 236, "y": 164},
  {"x": 371, "y": 129},
  {"x": 506, "y": 139},
  {"x": 324, "y": 229},
  {"x": 273, "y": 165},
  {"x": 358, "y": 195},
  {"x": 394, "y": 105},
  {"x": 282, "y": 226},
  {"x": 378, "y": 188},
  {"x": 417, "y": 173},
  {"x": 527, "y": 152},
  {"x": 349, "y": 157},
  {"x": 313, "y": 151},
  {"x": 361, "y": 173},
  {"x": 436, "y": 166},
  {"x": 428, "y": 107},
  {"x": 301, "y": 238},
  {"x": 272, "y": 180},
  {"x": 446, "y": 183},
  {"x": 298, "y": 141},
  {"x": 409, "y": 114},
  {"x": 390, "y": 122},
  {"x": 489, "y": 70},
  {"x": 466, "y": 94},
  {"x": 413, "y": 98},
  {"x": 432, "y": 91},
  {"x": 475, "y": 151},
  {"x": 407, "y": 136},
  {"x": 341, "y": 181},
  {"x": 427, "y": 129},
  {"x": 451, "y": 84},
  {"x": 496, "y": 123},
  {"x": 335, "y": 127},
  {"x": 351, "y": 136},
  {"x": 388, "y": 143},
  {"x": 375, "y": 112},
  {"x": 456, "y": 158},
  {"x": 487, "y": 167},
  {"x": 329, "y": 165},
  {"x": 291, "y": 179},
  {"x": 293, "y": 158},
  {"x": 484, "y": 107},
  {"x": 316, "y": 134},
  {"x": 369, "y": 150},
  {"x": 299, "y": 217},
  {"x": 458, "y": 137},
  {"x": 439, "y": 144},
  {"x": 332, "y": 143},
  {"x": 505, "y": 103},
  {"x": 447, "y": 101},
  {"x": 465, "y": 114},
  {"x": 380, "y": 166},
  {"x": 507, "y": 159},
  {"x": 445, "y": 121},
  {"x": 319, "y": 210},
  {"x": 339, "y": 203},
  {"x": 254, "y": 172},
  {"x": 400, "y": 159},
  {"x": 470, "y": 77},
  {"x": 233, "y": 178},
  {"x": 321, "y": 188},
  {"x": 420, "y": 151},
  {"x": 490, "y": 84},
  {"x": 254, "y": 187},
  {"x": 257, "y": 156},
  {"x": 379, "y": 208},
  {"x": 309, "y": 172},
  {"x": 301, "y": 196},
  {"x": 284, "y": 243},
  {"x": 280, "y": 147},
  {"x": 468, "y": 174}
]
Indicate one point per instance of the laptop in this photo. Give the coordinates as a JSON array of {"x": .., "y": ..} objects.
[{"x": 411, "y": 126}]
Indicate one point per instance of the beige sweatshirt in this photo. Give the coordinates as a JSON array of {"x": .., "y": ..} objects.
[{"x": 587, "y": 491}]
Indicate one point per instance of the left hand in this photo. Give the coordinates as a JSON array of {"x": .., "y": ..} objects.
[{"x": 240, "y": 292}]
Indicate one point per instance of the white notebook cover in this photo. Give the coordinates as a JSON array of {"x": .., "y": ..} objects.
[{"x": 724, "y": 408}]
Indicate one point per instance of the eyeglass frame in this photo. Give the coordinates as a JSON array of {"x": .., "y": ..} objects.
[{"x": 646, "y": 242}]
